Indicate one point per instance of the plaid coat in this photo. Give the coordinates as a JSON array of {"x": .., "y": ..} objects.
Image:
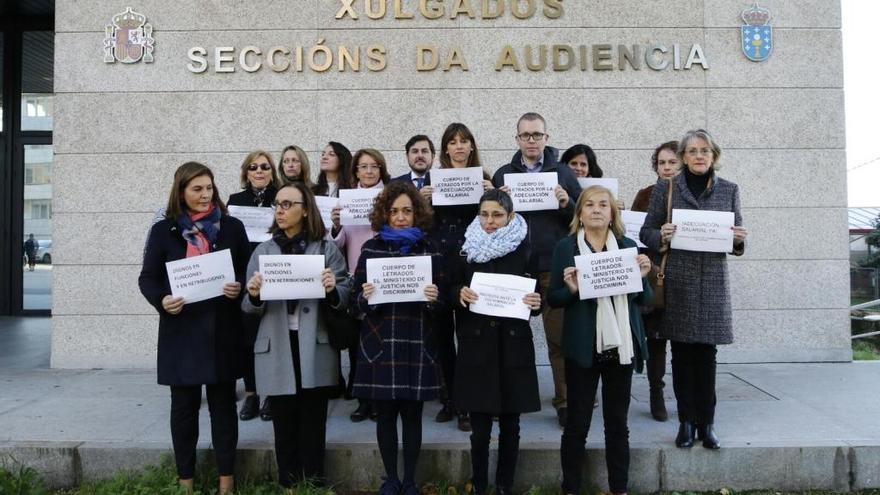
[
  {"x": 397, "y": 354},
  {"x": 697, "y": 285}
]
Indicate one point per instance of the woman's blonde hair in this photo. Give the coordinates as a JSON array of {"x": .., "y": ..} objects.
[
  {"x": 305, "y": 175},
  {"x": 247, "y": 162},
  {"x": 616, "y": 221}
]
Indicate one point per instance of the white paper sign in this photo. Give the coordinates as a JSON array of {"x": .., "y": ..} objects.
[
  {"x": 400, "y": 279},
  {"x": 698, "y": 230},
  {"x": 531, "y": 192},
  {"x": 457, "y": 186},
  {"x": 291, "y": 276},
  {"x": 633, "y": 221},
  {"x": 256, "y": 221},
  {"x": 356, "y": 205},
  {"x": 501, "y": 295},
  {"x": 612, "y": 185},
  {"x": 200, "y": 277},
  {"x": 325, "y": 206},
  {"x": 608, "y": 273}
]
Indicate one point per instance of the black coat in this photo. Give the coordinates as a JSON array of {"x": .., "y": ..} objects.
[
  {"x": 200, "y": 344},
  {"x": 495, "y": 369},
  {"x": 246, "y": 197},
  {"x": 546, "y": 227}
]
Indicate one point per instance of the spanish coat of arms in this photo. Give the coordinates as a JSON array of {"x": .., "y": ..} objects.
[
  {"x": 129, "y": 39},
  {"x": 757, "y": 34}
]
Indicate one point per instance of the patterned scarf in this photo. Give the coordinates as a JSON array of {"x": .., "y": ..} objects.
[
  {"x": 401, "y": 239},
  {"x": 291, "y": 245},
  {"x": 200, "y": 230},
  {"x": 482, "y": 246}
]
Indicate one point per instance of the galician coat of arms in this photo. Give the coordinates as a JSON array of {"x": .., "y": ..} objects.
[
  {"x": 129, "y": 39},
  {"x": 757, "y": 34}
]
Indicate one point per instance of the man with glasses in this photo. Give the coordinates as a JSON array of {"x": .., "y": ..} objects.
[
  {"x": 546, "y": 227},
  {"x": 420, "y": 158}
]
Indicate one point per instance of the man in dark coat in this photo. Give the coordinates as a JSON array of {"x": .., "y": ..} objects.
[
  {"x": 420, "y": 157},
  {"x": 546, "y": 227},
  {"x": 30, "y": 249}
]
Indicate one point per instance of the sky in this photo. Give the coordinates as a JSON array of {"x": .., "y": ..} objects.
[{"x": 861, "y": 81}]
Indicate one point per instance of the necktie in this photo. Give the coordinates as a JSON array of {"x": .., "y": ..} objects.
[{"x": 420, "y": 181}]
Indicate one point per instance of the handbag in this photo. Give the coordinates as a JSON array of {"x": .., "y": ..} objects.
[
  {"x": 343, "y": 329},
  {"x": 656, "y": 275}
]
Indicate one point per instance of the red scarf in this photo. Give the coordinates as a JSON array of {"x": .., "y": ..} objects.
[{"x": 202, "y": 246}]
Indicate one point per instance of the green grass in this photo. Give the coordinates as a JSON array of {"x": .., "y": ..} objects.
[{"x": 864, "y": 350}]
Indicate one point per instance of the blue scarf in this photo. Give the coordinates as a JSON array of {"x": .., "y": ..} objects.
[
  {"x": 482, "y": 246},
  {"x": 401, "y": 239},
  {"x": 205, "y": 225}
]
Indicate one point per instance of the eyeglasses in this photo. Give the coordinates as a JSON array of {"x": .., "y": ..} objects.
[
  {"x": 286, "y": 205},
  {"x": 288, "y": 161},
  {"x": 262, "y": 166},
  {"x": 368, "y": 166},
  {"x": 534, "y": 136},
  {"x": 702, "y": 151}
]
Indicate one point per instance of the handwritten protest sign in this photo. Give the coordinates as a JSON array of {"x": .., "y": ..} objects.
[
  {"x": 356, "y": 205},
  {"x": 200, "y": 277},
  {"x": 612, "y": 185},
  {"x": 698, "y": 230},
  {"x": 608, "y": 273},
  {"x": 633, "y": 221},
  {"x": 256, "y": 221},
  {"x": 457, "y": 186},
  {"x": 291, "y": 276},
  {"x": 399, "y": 279},
  {"x": 531, "y": 192},
  {"x": 501, "y": 295},
  {"x": 325, "y": 206}
]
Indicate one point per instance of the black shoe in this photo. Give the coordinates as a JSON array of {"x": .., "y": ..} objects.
[
  {"x": 562, "y": 416},
  {"x": 249, "y": 408},
  {"x": 446, "y": 413},
  {"x": 265, "y": 413},
  {"x": 658, "y": 405},
  {"x": 685, "y": 437},
  {"x": 390, "y": 487},
  {"x": 409, "y": 489},
  {"x": 706, "y": 433},
  {"x": 464, "y": 421},
  {"x": 361, "y": 413}
]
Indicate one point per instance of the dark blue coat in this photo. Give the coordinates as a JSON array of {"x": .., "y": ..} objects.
[
  {"x": 546, "y": 227},
  {"x": 200, "y": 344}
]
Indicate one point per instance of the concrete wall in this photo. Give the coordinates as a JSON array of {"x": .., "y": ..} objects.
[{"x": 121, "y": 130}]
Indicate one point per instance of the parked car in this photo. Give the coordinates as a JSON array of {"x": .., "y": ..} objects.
[{"x": 44, "y": 251}]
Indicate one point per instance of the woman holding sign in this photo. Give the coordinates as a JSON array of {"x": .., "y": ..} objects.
[
  {"x": 295, "y": 364},
  {"x": 495, "y": 368},
  {"x": 259, "y": 183},
  {"x": 397, "y": 362},
  {"x": 602, "y": 337},
  {"x": 698, "y": 315},
  {"x": 198, "y": 341}
]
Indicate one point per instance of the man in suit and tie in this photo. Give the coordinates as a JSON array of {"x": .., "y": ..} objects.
[{"x": 420, "y": 157}]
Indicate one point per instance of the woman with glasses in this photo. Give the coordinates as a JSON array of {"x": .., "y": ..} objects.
[
  {"x": 294, "y": 362},
  {"x": 294, "y": 166},
  {"x": 369, "y": 172},
  {"x": 397, "y": 362},
  {"x": 259, "y": 183},
  {"x": 198, "y": 341},
  {"x": 697, "y": 315}
]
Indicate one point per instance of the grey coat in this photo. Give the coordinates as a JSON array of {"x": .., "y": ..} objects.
[
  {"x": 697, "y": 285},
  {"x": 273, "y": 363}
]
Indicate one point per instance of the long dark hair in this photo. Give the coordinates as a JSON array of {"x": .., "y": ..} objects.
[
  {"x": 593, "y": 169},
  {"x": 457, "y": 129},
  {"x": 182, "y": 176},
  {"x": 343, "y": 179}
]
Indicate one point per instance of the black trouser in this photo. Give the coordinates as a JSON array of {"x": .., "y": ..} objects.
[
  {"x": 508, "y": 450},
  {"x": 444, "y": 326},
  {"x": 582, "y": 384},
  {"x": 300, "y": 424},
  {"x": 410, "y": 412},
  {"x": 693, "y": 379},
  {"x": 656, "y": 363},
  {"x": 185, "y": 404},
  {"x": 250, "y": 327}
]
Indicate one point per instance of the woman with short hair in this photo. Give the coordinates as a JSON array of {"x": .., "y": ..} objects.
[
  {"x": 396, "y": 365},
  {"x": 697, "y": 315},
  {"x": 602, "y": 339},
  {"x": 294, "y": 362},
  {"x": 294, "y": 166},
  {"x": 199, "y": 341}
]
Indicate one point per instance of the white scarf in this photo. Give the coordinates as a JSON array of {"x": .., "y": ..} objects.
[{"x": 612, "y": 320}]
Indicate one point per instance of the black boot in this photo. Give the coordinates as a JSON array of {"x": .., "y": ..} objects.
[
  {"x": 658, "y": 405},
  {"x": 249, "y": 408},
  {"x": 685, "y": 437},
  {"x": 706, "y": 433}
]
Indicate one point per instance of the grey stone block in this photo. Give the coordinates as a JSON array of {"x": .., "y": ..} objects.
[
  {"x": 99, "y": 290},
  {"x": 104, "y": 341},
  {"x": 56, "y": 462},
  {"x": 786, "y": 233},
  {"x": 800, "y": 14},
  {"x": 100, "y": 461},
  {"x": 804, "y": 468},
  {"x": 772, "y": 284},
  {"x": 865, "y": 467}
]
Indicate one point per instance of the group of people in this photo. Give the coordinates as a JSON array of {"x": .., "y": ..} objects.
[{"x": 482, "y": 368}]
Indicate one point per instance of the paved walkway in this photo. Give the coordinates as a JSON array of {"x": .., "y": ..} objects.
[{"x": 783, "y": 426}]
